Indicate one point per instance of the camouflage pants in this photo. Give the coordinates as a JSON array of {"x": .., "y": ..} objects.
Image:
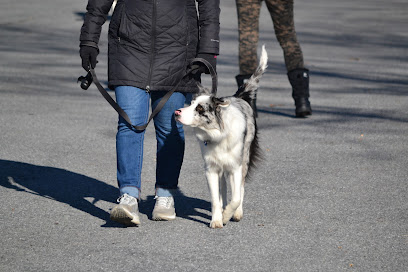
[{"x": 248, "y": 26}]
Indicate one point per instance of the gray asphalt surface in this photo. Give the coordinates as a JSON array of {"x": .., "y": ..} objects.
[{"x": 331, "y": 194}]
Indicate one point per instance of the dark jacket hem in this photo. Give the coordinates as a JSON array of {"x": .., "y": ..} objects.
[{"x": 183, "y": 89}]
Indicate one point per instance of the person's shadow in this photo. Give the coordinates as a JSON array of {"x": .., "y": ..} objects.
[{"x": 75, "y": 189}]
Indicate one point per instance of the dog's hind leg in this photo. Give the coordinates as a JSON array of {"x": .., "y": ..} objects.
[
  {"x": 216, "y": 209},
  {"x": 223, "y": 192},
  {"x": 236, "y": 181},
  {"x": 239, "y": 213}
]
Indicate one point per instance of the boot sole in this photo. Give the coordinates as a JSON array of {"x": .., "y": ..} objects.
[{"x": 303, "y": 113}]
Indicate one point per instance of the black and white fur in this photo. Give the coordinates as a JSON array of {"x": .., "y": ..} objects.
[{"x": 227, "y": 132}]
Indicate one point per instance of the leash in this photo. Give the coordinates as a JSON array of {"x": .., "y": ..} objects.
[{"x": 164, "y": 99}]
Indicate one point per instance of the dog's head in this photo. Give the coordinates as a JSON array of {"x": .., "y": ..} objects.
[{"x": 204, "y": 111}]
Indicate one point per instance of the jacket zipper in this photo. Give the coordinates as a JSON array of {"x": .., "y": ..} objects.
[{"x": 152, "y": 45}]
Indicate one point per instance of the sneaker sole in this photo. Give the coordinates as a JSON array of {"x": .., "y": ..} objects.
[
  {"x": 124, "y": 217},
  {"x": 161, "y": 217}
]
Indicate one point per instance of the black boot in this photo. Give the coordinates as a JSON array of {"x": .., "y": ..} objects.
[
  {"x": 241, "y": 79},
  {"x": 299, "y": 79}
]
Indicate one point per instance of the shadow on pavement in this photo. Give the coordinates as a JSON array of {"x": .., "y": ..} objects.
[
  {"x": 76, "y": 190},
  {"x": 186, "y": 207},
  {"x": 336, "y": 114},
  {"x": 80, "y": 15},
  {"x": 58, "y": 184}
]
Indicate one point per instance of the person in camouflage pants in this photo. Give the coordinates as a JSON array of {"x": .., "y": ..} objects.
[{"x": 282, "y": 16}]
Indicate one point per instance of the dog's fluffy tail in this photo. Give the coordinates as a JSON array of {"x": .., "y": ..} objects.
[{"x": 248, "y": 90}]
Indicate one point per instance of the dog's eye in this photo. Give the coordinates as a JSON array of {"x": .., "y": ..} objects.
[{"x": 199, "y": 109}]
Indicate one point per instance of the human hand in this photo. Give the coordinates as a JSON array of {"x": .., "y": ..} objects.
[
  {"x": 199, "y": 67},
  {"x": 88, "y": 55}
]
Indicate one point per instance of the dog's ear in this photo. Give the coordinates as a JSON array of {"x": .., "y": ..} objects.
[{"x": 221, "y": 102}]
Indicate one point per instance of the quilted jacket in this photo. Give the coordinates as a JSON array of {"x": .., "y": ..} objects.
[{"x": 151, "y": 42}]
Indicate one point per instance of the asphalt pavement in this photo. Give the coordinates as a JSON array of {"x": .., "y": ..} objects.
[{"x": 330, "y": 194}]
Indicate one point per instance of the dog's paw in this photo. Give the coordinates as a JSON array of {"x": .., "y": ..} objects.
[
  {"x": 216, "y": 224},
  {"x": 238, "y": 215},
  {"x": 225, "y": 220},
  {"x": 226, "y": 216}
]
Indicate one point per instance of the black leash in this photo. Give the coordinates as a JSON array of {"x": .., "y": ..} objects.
[{"x": 164, "y": 99}]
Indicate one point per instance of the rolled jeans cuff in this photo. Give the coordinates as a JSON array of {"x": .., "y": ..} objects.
[
  {"x": 130, "y": 190},
  {"x": 165, "y": 192}
]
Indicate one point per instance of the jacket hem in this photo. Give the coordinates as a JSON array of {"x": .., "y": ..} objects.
[{"x": 182, "y": 89}]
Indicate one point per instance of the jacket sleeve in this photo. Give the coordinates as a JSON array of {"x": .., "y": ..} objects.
[
  {"x": 209, "y": 23},
  {"x": 95, "y": 17}
]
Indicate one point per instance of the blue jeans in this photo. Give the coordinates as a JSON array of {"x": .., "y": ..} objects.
[{"x": 129, "y": 142}]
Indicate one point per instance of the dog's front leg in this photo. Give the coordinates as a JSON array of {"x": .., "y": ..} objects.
[{"x": 216, "y": 209}]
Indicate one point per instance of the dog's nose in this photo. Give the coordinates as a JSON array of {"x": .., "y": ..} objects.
[{"x": 177, "y": 113}]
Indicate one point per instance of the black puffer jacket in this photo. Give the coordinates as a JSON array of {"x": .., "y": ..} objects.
[{"x": 151, "y": 42}]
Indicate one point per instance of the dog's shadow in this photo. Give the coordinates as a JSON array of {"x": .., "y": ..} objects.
[{"x": 82, "y": 192}]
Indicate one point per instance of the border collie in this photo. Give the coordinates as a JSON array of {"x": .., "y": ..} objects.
[{"x": 226, "y": 130}]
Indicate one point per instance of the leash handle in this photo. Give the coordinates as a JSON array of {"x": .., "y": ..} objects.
[
  {"x": 164, "y": 99},
  {"x": 213, "y": 74}
]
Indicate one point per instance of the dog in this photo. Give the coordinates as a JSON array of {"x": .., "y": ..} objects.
[{"x": 227, "y": 132}]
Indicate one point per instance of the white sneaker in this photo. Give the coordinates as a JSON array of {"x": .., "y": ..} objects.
[
  {"x": 164, "y": 208},
  {"x": 127, "y": 211}
]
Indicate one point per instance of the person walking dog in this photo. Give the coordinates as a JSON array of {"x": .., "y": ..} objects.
[
  {"x": 151, "y": 44},
  {"x": 281, "y": 12}
]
